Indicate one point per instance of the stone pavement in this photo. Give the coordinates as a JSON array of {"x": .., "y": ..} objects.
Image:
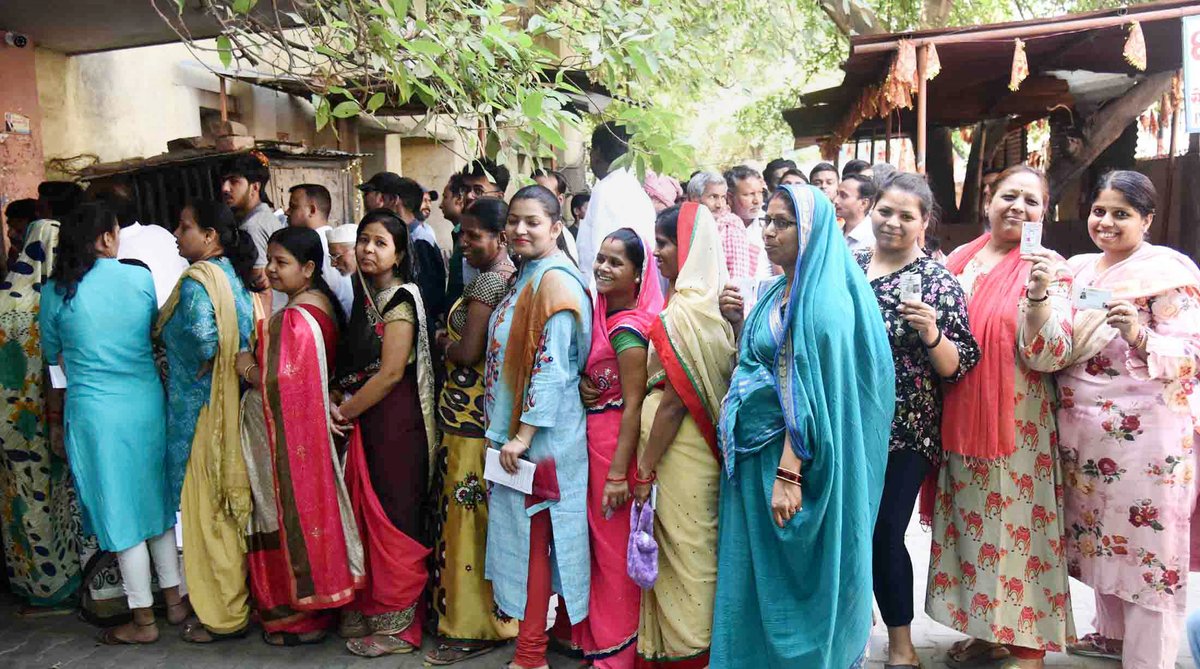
[{"x": 68, "y": 643}]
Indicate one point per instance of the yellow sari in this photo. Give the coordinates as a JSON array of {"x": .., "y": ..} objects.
[{"x": 693, "y": 347}]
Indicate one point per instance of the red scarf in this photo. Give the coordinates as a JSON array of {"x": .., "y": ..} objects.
[{"x": 979, "y": 411}]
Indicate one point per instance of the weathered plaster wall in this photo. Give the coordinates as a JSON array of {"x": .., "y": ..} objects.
[{"x": 20, "y": 155}]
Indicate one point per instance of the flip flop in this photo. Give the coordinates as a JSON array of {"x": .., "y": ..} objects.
[
  {"x": 1095, "y": 645},
  {"x": 370, "y": 646},
  {"x": 109, "y": 637},
  {"x": 188, "y": 633},
  {"x": 974, "y": 652},
  {"x": 460, "y": 654},
  {"x": 291, "y": 640}
]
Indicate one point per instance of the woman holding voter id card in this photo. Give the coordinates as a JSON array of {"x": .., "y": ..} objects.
[
  {"x": 925, "y": 314},
  {"x": 996, "y": 570},
  {"x": 1127, "y": 419},
  {"x": 539, "y": 337}
]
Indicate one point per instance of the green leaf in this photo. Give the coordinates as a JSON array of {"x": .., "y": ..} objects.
[
  {"x": 225, "y": 50},
  {"x": 346, "y": 109},
  {"x": 549, "y": 134},
  {"x": 400, "y": 9},
  {"x": 244, "y": 6},
  {"x": 376, "y": 102},
  {"x": 322, "y": 106},
  {"x": 532, "y": 107},
  {"x": 426, "y": 47}
]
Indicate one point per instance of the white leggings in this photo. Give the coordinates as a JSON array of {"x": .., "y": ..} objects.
[{"x": 135, "y": 568}]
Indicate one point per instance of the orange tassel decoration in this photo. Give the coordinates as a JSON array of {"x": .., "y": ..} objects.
[
  {"x": 1020, "y": 66},
  {"x": 1135, "y": 47}
]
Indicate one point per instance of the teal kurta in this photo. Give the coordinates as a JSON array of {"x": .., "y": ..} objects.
[
  {"x": 115, "y": 413},
  {"x": 191, "y": 341},
  {"x": 552, "y": 403},
  {"x": 817, "y": 367}
]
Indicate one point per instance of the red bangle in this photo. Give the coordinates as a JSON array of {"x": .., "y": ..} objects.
[{"x": 641, "y": 481}]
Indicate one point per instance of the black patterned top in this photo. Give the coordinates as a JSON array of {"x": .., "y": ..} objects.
[{"x": 918, "y": 422}]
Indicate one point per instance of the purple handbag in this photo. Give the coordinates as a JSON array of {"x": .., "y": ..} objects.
[{"x": 642, "y": 557}]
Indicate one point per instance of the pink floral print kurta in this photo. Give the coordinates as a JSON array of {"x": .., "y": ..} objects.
[
  {"x": 1126, "y": 426},
  {"x": 997, "y": 570}
]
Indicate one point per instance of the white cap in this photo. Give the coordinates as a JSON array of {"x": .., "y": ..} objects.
[{"x": 343, "y": 234}]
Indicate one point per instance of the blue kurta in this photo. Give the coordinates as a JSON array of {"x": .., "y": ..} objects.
[
  {"x": 191, "y": 342},
  {"x": 115, "y": 410},
  {"x": 553, "y": 405}
]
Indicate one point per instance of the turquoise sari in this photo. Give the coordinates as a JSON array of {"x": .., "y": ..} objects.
[{"x": 818, "y": 368}]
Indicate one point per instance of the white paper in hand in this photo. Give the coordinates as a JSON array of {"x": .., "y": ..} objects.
[
  {"x": 522, "y": 481},
  {"x": 1092, "y": 298},
  {"x": 910, "y": 287},
  {"x": 58, "y": 378},
  {"x": 1031, "y": 237}
]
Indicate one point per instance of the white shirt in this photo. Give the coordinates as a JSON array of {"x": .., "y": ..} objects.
[
  {"x": 342, "y": 287},
  {"x": 862, "y": 237},
  {"x": 618, "y": 201},
  {"x": 155, "y": 246}
]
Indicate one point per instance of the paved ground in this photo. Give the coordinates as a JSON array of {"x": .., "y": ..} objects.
[{"x": 65, "y": 642}]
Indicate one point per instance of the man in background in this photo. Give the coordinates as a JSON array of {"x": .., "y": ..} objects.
[
  {"x": 618, "y": 200},
  {"x": 242, "y": 183},
  {"x": 825, "y": 177},
  {"x": 17, "y": 217},
  {"x": 308, "y": 207},
  {"x": 482, "y": 177},
  {"x": 853, "y": 202},
  {"x": 152, "y": 245}
]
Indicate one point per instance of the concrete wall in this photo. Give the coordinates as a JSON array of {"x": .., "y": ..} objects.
[
  {"x": 126, "y": 104},
  {"x": 20, "y": 155}
]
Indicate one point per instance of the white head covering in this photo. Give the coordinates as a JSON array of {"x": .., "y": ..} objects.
[{"x": 343, "y": 234}]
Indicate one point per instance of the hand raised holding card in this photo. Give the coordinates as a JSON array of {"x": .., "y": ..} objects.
[{"x": 1041, "y": 272}]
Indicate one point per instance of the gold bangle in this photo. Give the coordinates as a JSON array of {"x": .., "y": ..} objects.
[
  {"x": 787, "y": 480},
  {"x": 518, "y": 437},
  {"x": 247, "y": 370}
]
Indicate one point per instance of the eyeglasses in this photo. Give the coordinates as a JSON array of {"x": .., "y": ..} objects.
[
  {"x": 480, "y": 191},
  {"x": 778, "y": 223}
]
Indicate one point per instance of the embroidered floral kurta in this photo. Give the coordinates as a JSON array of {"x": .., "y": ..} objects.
[
  {"x": 997, "y": 570},
  {"x": 1126, "y": 426}
]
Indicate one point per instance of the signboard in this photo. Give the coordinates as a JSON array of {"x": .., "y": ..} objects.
[
  {"x": 16, "y": 123},
  {"x": 1191, "y": 72}
]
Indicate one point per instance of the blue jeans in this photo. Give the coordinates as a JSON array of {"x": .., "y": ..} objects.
[{"x": 1193, "y": 634}]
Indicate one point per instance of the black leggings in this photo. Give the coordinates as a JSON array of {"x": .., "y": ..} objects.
[{"x": 893, "y": 569}]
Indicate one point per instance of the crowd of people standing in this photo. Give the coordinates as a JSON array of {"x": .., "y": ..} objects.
[{"x": 727, "y": 398}]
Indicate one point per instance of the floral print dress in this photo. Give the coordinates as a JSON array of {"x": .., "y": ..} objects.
[
  {"x": 917, "y": 425},
  {"x": 997, "y": 569},
  {"x": 1127, "y": 432}
]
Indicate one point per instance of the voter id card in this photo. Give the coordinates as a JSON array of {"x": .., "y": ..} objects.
[
  {"x": 910, "y": 287},
  {"x": 1031, "y": 237},
  {"x": 1092, "y": 298}
]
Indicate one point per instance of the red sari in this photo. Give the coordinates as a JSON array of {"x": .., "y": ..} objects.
[
  {"x": 606, "y": 636},
  {"x": 305, "y": 556}
]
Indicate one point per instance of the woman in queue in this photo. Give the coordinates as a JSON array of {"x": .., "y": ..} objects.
[
  {"x": 385, "y": 374},
  {"x": 96, "y": 317},
  {"x": 1127, "y": 420},
  {"x": 690, "y": 360},
  {"x": 37, "y": 499},
  {"x": 305, "y": 556},
  {"x": 997, "y": 571},
  {"x": 628, "y": 299},
  {"x": 463, "y": 604},
  {"x": 804, "y": 433},
  {"x": 207, "y": 320},
  {"x": 538, "y": 342},
  {"x": 931, "y": 345}
]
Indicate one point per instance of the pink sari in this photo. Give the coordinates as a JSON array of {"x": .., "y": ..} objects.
[
  {"x": 607, "y": 635},
  {"x": 305, "y": 557}
]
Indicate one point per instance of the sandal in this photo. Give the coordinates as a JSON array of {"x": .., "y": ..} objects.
[
  {"x": 973, "y": 652},
  {"x": 1096, "y": 645},
  {"x": 446, "y": 654},
  {"x": 191, "y": 633},
  {"x": 376, "y": 646},
  {"x": 291, "y": 640},
  {"x": 109, "y": 636}
]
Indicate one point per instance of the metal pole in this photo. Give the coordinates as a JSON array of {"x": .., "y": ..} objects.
[
  {"x": 1035, "y": 30},
  {"x": 887, "y": 149},
  {"x": 1166, "y": 213},
  {"x": 922, "y": 106}
]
